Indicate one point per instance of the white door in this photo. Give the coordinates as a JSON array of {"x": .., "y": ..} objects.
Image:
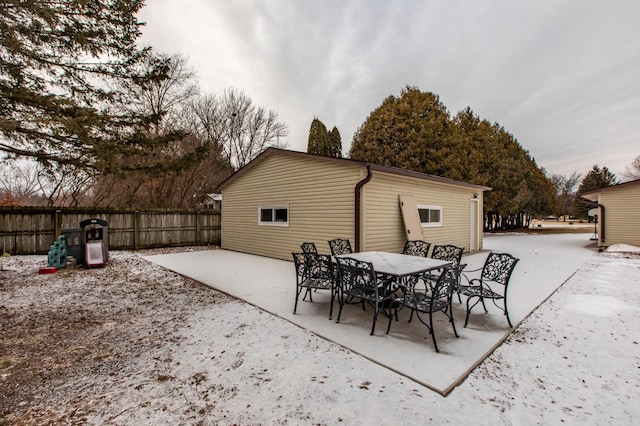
[{"x": 473, "y": 225}]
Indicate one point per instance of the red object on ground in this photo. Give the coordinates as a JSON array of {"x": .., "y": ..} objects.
[{"x": 48, "y": 270}]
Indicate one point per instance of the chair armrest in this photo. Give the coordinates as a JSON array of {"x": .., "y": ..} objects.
[
  {"x": 472, "y": 281},
  {"x": 473, "y": 270},
  {"x": 464, "y": 273}
]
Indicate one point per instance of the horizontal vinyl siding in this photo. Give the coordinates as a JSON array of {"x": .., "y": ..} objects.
[
  {"x": 622, "y": 215},
  {"x": 320, "y": 196},
  {"x": 383, "y": 228}
]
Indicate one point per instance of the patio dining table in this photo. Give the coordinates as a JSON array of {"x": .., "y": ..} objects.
[
  {"x": 394, "y": 270},
  {"x": 397, "y": 265}
]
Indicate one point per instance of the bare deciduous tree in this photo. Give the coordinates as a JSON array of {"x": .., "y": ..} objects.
[
  {"x": 565, "y": 191},
  {"x": 164, "y": 98},
  {"x": 204, "y": 117},
  {"x": 31, "y": 184},
  {"x": 632, "y": 171},
  {"x": 65, "y": 186},
  {"x": 241, "y": 129},
  {"x": 249, "y": 129},
  {"x": 19, "y": 184}
]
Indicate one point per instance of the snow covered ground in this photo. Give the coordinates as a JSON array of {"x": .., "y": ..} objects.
[
  {"x": 546, "y": 261},
  {"x": 183, "y": 354}
]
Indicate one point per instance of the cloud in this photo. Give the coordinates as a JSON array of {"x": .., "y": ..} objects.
[{"x": 561, "y": 76}]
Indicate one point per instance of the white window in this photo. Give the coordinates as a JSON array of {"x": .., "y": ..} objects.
[
  {"x": 276, "y": 215},
  {"x": 430, "y": 216}
]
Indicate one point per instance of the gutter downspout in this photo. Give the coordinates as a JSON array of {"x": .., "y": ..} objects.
[
  {"x": 358, "y": 196},
  {"x": 601, "y": 219}
]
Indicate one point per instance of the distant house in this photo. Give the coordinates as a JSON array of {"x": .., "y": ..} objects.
[
  {"x": 283, "y": 198},
  {"x": 618, "y": 213},
  {"x": 213, "y": 202}
]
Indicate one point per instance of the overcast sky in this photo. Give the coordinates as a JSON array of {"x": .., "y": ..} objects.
[{"x": 563, "y": 76}]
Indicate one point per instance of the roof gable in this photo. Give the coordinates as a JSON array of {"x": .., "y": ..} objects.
[
  {"x": 593, "y": 194},
  {"x": 374, "y": 167}
]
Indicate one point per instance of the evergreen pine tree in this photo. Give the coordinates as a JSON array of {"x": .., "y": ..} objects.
[
  {"x": 318, "y": 138},
  {"x": 416, "y": 132},
  {"x": 62, "y": 67},
  {"x": 335, "y": 143},
  {"x": 323, "y": 142},
  {"x": 596, "y": 178}
]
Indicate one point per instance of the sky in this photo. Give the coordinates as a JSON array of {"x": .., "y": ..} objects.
[{"x": 562, "y": 76}]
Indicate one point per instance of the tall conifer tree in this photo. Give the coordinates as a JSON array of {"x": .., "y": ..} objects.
[
  {"x": 335, "y": 143},
  {"x": 62, "y": 69},
  {"x": 324, "y": 142},
  {"x": 414, "y": 131}
]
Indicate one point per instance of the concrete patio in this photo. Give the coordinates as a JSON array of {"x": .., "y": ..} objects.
[{"x": 546, "y": 262}]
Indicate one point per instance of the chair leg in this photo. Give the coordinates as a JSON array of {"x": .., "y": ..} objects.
[
  {"x": 341, "y": 302},
  {"x": 375, "y": 318},
  {"x": 470, "y": 308},
  {"x": 453, "y": 324},
  {"x": 390, "y": 320},
  {"x": 295, "y": 306},
  {"x": 506, "y": 312},
  {"x": 433, "y": 335},
  {"x": 466, "y": 320},
  {"x": 333, "y": 295},
  {"x": 457, "y": 289},
  {"x": 483, "y": 305}
]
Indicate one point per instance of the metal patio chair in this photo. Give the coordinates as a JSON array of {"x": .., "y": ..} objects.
[
  {"x": 358, "y": 282},
  {"x": 492, "y": 283},
  {"x": 314, "y": 272},
  {"x": 427, "y": 303}
]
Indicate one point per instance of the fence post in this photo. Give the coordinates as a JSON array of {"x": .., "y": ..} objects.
[
  {"x": 136, "y": 230},
  {"x": 197, "y": 227},
  {"x": 57, "y": 224}
]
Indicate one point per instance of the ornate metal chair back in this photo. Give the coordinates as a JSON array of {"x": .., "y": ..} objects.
[
  {"x": 446, "y": 284},
  {"x": 448, "y": 252},
  {"x": 308, "y": 247},
  {"x": 498, "y": 268},
  {"x": 357, "y": 276},
  {"x": 319, "y": 266},
  {"x": 416, "y": 248},
  {"x": 340, "y": 246},
  {"x": 302, "y": 271}
]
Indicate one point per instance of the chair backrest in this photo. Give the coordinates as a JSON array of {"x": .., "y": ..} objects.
[
  {"x": 416, "y": 248},
  {"x": 448, "y": 252},
  {"x": 447, "y": 282},
  {"x": 319, "y": 266},
  {"x": 308, "y": 247},
  {"x": 498, "y": 268},
  {"x": 340, "y": 246},
  {"x": 302, "y": 271},
  {"x": 313, "y": 265},
  {"x": 355, "y": 274}
]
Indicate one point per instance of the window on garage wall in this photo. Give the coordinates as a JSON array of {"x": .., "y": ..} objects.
[
  {"x": 273, "y": 215},
  {"x": 430, "y": 216}
]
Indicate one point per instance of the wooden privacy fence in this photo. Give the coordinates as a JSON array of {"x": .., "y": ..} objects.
[{"x": 32, "y": 230}]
